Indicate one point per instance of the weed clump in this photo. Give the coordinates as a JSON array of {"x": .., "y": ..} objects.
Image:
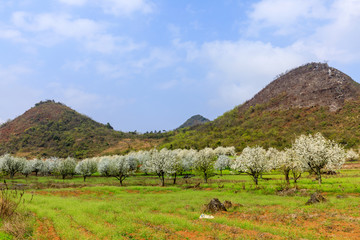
[{"x": 14, "y": 222}]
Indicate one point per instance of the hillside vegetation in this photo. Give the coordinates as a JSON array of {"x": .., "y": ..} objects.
[
  {"x": 194, "y": 121},
  {"x": 312, "y": 98},
  {"x": 53, "y": 129}
]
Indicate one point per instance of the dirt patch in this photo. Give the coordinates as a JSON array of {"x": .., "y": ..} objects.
[
  {"x": 132, "y": 191},
  {"x": 192, "y": 235},
  {"x": 71, "y": 193},
  {"x": 351, "y": 166},
  {"x": 46, "y": 230}
]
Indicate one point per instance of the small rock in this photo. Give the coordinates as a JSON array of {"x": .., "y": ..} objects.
[
  {"x": 214, "y": 206},
  {"x": 315, "y": 198},
  {"x": 227, "y": 204}
]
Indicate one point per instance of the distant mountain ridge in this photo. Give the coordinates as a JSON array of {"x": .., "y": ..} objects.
[
  {"x": 194, "y": 121},
  {"x": 308, "y": 99}
]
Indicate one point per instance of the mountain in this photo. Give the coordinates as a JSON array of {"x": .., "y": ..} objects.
[
  {"x": 308, "y": 99},
  {"x": 53, "y": 129},
  {"x": 194, "y": 121}
]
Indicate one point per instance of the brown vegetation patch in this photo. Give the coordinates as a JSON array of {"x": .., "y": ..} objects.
[
  {"x": 128, "y": 144},
  {"x": 46, "y": 230},
  {"x": 192, "y": 235},
  {"x": 132, "y": 191},
  {"x": 71, "y": 193}
]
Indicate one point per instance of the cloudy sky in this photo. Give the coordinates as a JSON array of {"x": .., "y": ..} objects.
[{"x": 151, "y": 64}]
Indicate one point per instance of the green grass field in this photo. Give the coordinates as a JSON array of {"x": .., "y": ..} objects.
[{"x": 101, "y": 209}]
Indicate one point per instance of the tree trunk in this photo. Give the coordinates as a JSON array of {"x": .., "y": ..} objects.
[
  {"x": 162, "y": 180},
  {"x": 319, "y": 176},
  {"x": 84, "y": 178},
  {"x": 287, "y": 176},
  {"x": 255, "y": 179},
  {"x": 63, "y": 176},
  {"x": 205, "y": 177},
  {"x": 174, "y": 178},
  {"x": 220, "y": 172},
  {"x": 12, "y": 175}
]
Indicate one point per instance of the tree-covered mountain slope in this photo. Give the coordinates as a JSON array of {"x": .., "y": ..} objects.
[{"x": 53, "y": 129}]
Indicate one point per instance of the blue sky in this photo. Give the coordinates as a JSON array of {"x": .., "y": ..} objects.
[{"x": 150, "y": 64}]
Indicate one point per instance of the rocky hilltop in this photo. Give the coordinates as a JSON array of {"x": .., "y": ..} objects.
[
  {"x": 308, "y": 99},
  {"x": 313, "y": 84}
]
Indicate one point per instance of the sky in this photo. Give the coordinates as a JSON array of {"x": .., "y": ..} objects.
[{"x": 149, "y": 65}]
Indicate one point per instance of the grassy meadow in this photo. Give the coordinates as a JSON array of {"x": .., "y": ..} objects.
[{"x": 100, "y": 209}]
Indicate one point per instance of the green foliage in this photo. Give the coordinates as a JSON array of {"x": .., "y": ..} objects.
[
  {"x": 67, "y": 134},
  {"x": 271, "y": 128}
]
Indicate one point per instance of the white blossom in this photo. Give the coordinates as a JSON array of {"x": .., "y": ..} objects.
[
  {"x": 27, "y": 169},
  {"x": 11, "y": 165},
  {"x": 318, "y": 153},
  {"x": 204, "y": 162},
  {"x": 86, "y": 167},
  {"x": 253, "y": 161},
  {"x": 222, "y": 163}
]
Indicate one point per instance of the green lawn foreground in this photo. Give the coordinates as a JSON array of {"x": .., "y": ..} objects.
[{"x": 101, "y": 209}]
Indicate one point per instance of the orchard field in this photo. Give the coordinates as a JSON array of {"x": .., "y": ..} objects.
[
  {"x": 141, "y": 209},
  {"x": 161, "y": 194}
]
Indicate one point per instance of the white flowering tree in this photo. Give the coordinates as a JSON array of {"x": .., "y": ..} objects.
[
  {"x": 103, "y": 166},
  {"x": 204, "y": 163},
  {"x": 253, "y": 161},
  {"x": 120, "y": 167},
  {"x": 351, "y": 155},
  {"x": 49, "y": 166},
  {"x": 27, "y": 169},
  {"x": 288, "y": 163},
  {"x": 318, "y": 153},
  {"x": 37, "y": 165},
  {"x": 65, "y": 167},
  {"x": 222, "y": 163},
  {"x": 228, "y": 151},
  {"x": 161, "y": 163},
  {"x": 143, "y": 157},
  {"x": 11, "y": 165},
  {"x": 86, "y": 167},
  {"x": 272, "y": 155},
  {"x": 187, "y": 157}
]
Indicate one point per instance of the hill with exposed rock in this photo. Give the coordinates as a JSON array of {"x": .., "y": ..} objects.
[{"x": 308, "y": 99}]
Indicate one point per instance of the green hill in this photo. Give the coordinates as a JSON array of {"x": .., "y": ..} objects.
[
  {"x": 311, "y": 98},
  {"x": 194, "y": 121},
  {"x": 53, "y": 129}
]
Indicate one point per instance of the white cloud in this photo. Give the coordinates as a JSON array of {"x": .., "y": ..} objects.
[
  {"x": 286, "y": 16},
  {"x": 168, "y": 85},
  {"x": 106, "y": 43},
  {"x": 74, "y": 2},
  {"x": 60, "y": 24},
  {"x": 76, "y": 65},
  {"x": 12, "y": 35},
  {"x": 110, "y": 70},
  {"x": 126, "y": 7},
  {"x": 235, "y": 71},
  {"x": 50, "y": 29},
  {"x": 12, "y": 73},
  {"x": 158, "y": 58},
  {"x": 329, "y": 30}
]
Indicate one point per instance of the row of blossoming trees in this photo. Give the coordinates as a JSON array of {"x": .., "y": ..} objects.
[{"x": 314, "y": 154}]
